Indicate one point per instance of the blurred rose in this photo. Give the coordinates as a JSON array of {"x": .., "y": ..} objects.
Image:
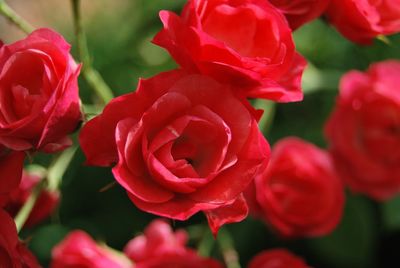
[
  {"x": 13, "y": 254},
  {"x": 299, "y": 193},
  {"x": 299, "y": 12},
  {"x": 79, "y": 250},
  {"x": 277, "y": 258},
  {"x": 160, "y": 247},
  {"x": 44, "y": 206},
  {"x": 39, "y": 101},
  {"x": 11, "y": 165},
  {"x": 183, "y": 143},
  {"x": 247, "y": 43},
  {"x": 158, "y": 239},
  {"x": 364, "y": 130},
  {"x": 362, "y": 20}
]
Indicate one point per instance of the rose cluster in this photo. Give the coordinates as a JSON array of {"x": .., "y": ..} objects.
[
  {"x": 188, "y": 140},
  {"x": 39, "y": 108}
]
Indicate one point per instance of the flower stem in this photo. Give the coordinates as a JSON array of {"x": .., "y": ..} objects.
[
  {"x": 12, "y": 16},
  {"x": 51, "y": 182},
  {"x": 91, "y": 75},
  {"x": 57, "y": 169},
  {"x": 229, "y": 253},
  {"x": 25, "y": 211}
]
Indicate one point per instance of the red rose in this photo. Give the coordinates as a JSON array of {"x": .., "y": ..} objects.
[
  {"x": 362, "y": 20},
  {"x": 79, "y": 250},
  {"x": 299, "y": 12},
  {"x": 160, "y": 247},
  {"x": 44, "y": 206},
  {"x": 244, "y": 42},
  {"x": 183, "y": 144},
  {"x": 11, "y": 165},
  {"x": 299, "y": 193},
  {"x": 12, "y": 252},
  {"x": 39, "y": 101},
  {"x": 364, "y": 130},
  {"x": 158, "y": 239},
  {"x": 277, "y": 258}
]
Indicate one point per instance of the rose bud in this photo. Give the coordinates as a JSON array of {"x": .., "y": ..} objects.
[
  {"x": 160, "y": 247},
  {"x": 247, "y": 43},
  {"x": 12, "y": 252},
  {"x": 277, "y": 258},
  {"x": 361, "y": 21},
  {"x": 299, "y": 194},
  {"x": 79, "y": 250},
  {"x": 183, "y": 143},
  {"x": 11, "y": 165},
  {"x": 363, "y": 131},
  {"x": 299, "y": 12},
  {"x": 44, "y": 206},
  {"x": 39, "y": 103}
]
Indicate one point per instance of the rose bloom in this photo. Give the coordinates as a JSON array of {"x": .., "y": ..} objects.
[
  {"x": 160, "y": 247},
  {"x": 299, "y": 194},
  {"x": 79, "y": 250},
  {"x": 364, "y": 130},
  {"x": 11, "y": 165},
  {"x": 299, "y": 12},
  {"x": 39, "y": 101},
  {"x": 183, "y": 144},
  {"x": 277, "y": 258},
  {"x": 44, "y": 206},
  {"x": 158, "y": 239},
  {"x": 244, "y": 42},
  {"x": 13, "y": 254},
  {"x": 361, "y": 21}
]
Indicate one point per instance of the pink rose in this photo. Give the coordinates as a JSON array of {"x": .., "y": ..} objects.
[
  {"x": 44, "y": 206},
  {"x": 79, "y": 250},
  {"x": 299, "y": 12},
  {"x": 277, "y": 258},
  {"x": 247, "y": 43},
  {"x": 160, "y": 247},
  {"x": 362, "y": 20},
  {"x": 12, "y": 252},
  {"x": 364, "y": 129},
  {"x": 39, "y": 101},
  {"x": 299, "y": 194},
  {"x": 183, "y": 144}
]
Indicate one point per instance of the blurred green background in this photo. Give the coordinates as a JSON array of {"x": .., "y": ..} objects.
[{"x": 119, "y": 34}]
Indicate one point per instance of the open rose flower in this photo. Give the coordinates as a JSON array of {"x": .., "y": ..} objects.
[
  {"x": 299, "y": 194},
  {"x": 299, "y": 12},
  {"x": 364, "y": 130},
  {"x": 244, "y": 42},
  {"x": 39, "y": 101},
  {"x": 45, "y": 204},
  {"x": 160, "y": 247},
  {"x": 277, "y": 258},
  {"x": 183, "y": 144},
  {"x": 362, "y": 20},
  {"x": 11, "y": 165},
  {"x": 12, "y": 252},
  {"x": 78, "y": 249}
]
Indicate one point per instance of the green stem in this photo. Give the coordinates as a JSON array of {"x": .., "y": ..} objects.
[
  {"x": 57, "y": 168},
  {"x": 228, "y": 250},
  {"x": 91, "y": 75},
  {"x": 52, "y": 182},
  {"x": 13, "y": 17},
  {"x": 25, "y": 211}
]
